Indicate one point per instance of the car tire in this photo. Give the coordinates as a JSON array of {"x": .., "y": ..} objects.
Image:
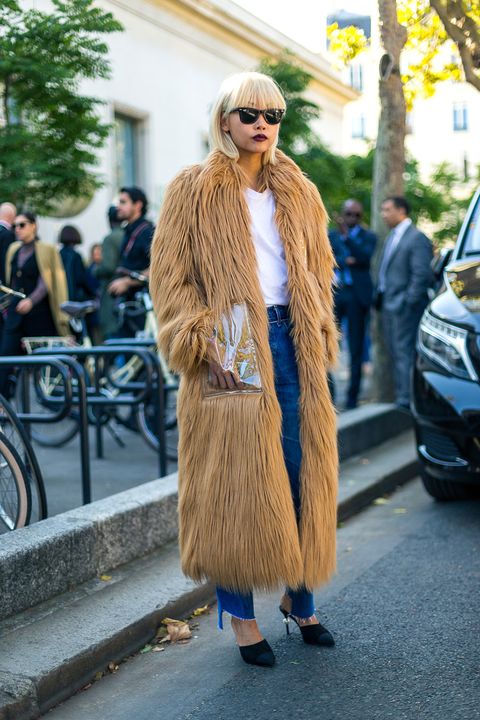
[{"x": 446, "y": 490}]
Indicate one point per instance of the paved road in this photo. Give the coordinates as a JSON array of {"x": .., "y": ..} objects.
[{"x": 403, "y": 608}]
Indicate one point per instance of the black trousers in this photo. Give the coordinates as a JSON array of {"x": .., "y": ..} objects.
[
  {"x": 347, "y": 306},
  {"x": 36, "y": 323}
]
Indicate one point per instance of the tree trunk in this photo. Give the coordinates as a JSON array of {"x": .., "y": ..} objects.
[{"x": 389, "y": 166}]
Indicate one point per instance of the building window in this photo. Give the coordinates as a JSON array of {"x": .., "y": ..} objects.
[
  {"x": 409, "y": 122},
  {"x": 356, "y": 77},
  {"x": 460, "y": 116},
  {"x": 358, "y": 126},
  {"x": 126, "y": 150}
]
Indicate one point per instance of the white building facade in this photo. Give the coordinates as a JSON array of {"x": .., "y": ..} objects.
[{"x": 167, "y": 66}]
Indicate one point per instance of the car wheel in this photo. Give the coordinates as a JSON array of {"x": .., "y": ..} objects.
[{"x": 447, "y": 490}]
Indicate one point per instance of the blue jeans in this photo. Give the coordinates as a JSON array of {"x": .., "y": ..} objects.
[{"x": 287, "y": 388}]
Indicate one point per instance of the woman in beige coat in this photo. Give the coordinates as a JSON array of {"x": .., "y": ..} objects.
[
  {"x": 241, "y": 244},
  {"x": 34, "y": 269}
]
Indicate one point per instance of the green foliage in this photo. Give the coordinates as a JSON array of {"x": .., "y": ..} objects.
[
  {"x": 341, "y": 177},
  {"x": 49, "y": 133}
]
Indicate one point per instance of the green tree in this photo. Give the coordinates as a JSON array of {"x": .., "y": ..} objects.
[
  {"x": 339, "y": 177},
  {"x": 49, "y": 133},
  {"x": 437, "y": 30}
]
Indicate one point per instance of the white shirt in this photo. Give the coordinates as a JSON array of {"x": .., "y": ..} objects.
[
  {"x": 271, "y": 264},
  {"x": 398, "y": 232}
]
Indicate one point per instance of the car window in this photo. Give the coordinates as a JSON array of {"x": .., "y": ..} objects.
[{"x": 471, "y": 239}]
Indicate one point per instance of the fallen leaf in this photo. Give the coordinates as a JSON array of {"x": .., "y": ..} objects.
[
  {"x": 200, "y": 611},
  {"x": 105, "y": 578},
  {"x": 98, "y": 675},
  {"x": 178, "y": 633},
  {"x": 146, "y": 649},
  {"x": 112, "y": 667},
  {"x": 161, "y": 632},
  {"x": 170, "y": 621},
  {"x": 400, "y": 511},
  {"x": 158, "y": 649},
  {"x": 381, "y": 501}
]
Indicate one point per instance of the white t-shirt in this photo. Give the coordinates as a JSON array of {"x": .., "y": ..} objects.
[{"x": 272, "y": 267}]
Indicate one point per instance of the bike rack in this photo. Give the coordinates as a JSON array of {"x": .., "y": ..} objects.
[
  {"x": 146, "y": 388},
  {"x": 66, "y": 367}
]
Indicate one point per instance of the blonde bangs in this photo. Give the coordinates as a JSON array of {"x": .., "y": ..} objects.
[
  {"x": 249, "y": 89},
  {"x": 254, "y": 90}
]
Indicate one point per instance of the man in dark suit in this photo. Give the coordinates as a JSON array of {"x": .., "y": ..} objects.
[
  {"x": 8, "y": 213},
  {"x": 402, "y": 294},
  {"x": 353, "y": 246}
]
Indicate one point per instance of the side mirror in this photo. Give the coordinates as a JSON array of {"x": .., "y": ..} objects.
[{"x": 440, "y": 261}]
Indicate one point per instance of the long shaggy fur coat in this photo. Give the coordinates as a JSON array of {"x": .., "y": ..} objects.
[{"x": 237, "y": 520}]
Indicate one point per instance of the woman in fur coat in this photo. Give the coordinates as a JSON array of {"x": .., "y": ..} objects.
[{"x": 241, "y": 250}]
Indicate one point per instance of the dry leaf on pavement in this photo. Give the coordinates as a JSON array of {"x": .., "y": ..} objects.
[
  {"x": 177, "y": 633},
  {"x": 200, "y": 611}
]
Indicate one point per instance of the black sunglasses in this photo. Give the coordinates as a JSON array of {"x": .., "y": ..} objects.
[
  {"x": 20, "y": 225},
  {"x": 250, "y": 115}
]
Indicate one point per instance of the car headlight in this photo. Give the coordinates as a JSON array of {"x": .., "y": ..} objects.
[{"x": 447, "y": 345}]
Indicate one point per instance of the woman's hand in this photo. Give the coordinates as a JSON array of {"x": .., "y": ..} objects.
[
  {"x": 219, "y": 378},
  {"x": 24, "y": 306}
]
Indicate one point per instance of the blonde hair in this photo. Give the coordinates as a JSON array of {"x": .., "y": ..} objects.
[{"x": 247, "y": 89}]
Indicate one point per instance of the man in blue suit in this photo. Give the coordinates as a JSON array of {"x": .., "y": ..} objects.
[{"x": 353, "y": 246}]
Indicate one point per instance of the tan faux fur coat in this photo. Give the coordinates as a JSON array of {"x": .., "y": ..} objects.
[{"x": 237, "y": 520}]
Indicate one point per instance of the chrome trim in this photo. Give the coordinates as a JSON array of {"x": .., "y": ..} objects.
[
  {"x": 439, "y": 329},
  {"x": 457, "y": 463}
]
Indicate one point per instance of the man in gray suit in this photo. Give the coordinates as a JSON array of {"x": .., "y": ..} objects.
[{"x": 402, "y": 293}]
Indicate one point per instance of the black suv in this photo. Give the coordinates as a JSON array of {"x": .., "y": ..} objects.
[{"x": 446, "y": 377}]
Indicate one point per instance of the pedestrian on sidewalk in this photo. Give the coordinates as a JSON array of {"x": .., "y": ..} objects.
[
  {"x": 402, "y": 292},
  {"x": 105, "y": 271},
  {"x": 353, "y": 246},
  {"x": 8, "y": 212},
  {"x": 242, "y": 238},
  {"x": 35, "y": 269},
  {"x": 134, "y": 254}
]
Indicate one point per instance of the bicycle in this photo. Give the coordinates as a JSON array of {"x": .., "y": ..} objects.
[
  {"x": 22, "y": 490},
  {"x": 47, "y": 384}
]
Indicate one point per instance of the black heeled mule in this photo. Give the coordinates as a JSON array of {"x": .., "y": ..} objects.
[
  {"x": 311, "y": 634},
  {"x": 258, "y": 654}
]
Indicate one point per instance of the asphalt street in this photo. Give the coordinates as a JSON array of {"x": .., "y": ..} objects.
[{"x": 403, "y": 608}]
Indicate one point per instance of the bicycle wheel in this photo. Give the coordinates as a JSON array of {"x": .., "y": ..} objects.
[
  {"x": 147, "y": 417},
  {"x": 48, "y": 383},
  {"x": 15, "y": 499},
  {"x": 14, "y": 431},
  {"x": 50, "y": 434}
]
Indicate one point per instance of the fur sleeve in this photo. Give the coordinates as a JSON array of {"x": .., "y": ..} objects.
[
  {"x": 185, "y": 323},
  {"x": 321, "y": 263}
]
